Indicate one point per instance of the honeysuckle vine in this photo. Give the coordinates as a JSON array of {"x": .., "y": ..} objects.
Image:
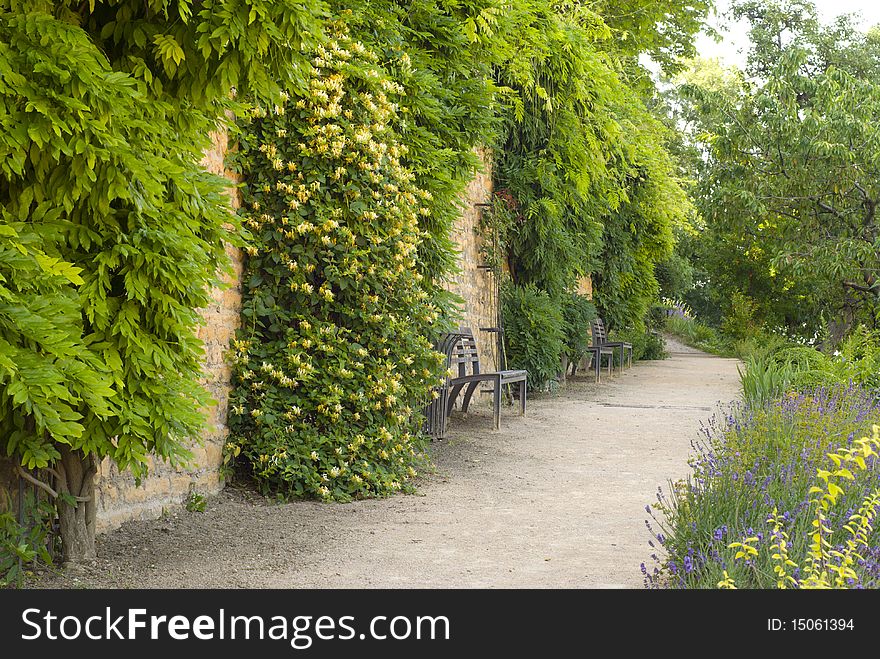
[{"x": 334, "y": 359}]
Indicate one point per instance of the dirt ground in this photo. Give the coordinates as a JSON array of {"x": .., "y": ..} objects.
[{"x": 554, "y": 500}]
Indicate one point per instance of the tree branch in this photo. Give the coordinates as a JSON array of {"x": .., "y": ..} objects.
[
  {"x": 858, "y": 186},
  {"x": 829, "y": 209},
  {"x": 25, "y": 475},
  {"x": 859, "y": 287}
]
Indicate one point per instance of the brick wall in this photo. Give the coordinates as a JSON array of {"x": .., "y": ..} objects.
[
  {"x": 475, "y": 284},
  {"x": 585, "y": 286}
]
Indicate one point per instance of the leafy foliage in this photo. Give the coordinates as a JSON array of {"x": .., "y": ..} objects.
[
  {"x": 662, "y": 30},
  {"x": 788, "y": 368},
  {"x": 577, "y": 313},
  {"x": 764, "y": 471},
  {"x": 582, "y": 163},
  {"x": 21, "y": 545},
  {"x": 195, "y": 502},
  {"x": 333, "y": 360},
  {"x": 112, "y": 232},
  {"x": 533, "y": 332},
  {"x": 788, "y": 185},
  {"x": 442, "y": 54},
  {"x": 698, "y": 335},
  {"x": 647, "y": 344}
]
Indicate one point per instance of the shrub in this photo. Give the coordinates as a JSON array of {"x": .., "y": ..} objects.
[
  {"x": 755, "y": 459},
  {"x": 777, "y": 367},
  {"x": 765, "y": 379},
  {"x": 759, "y": 345},
  {"x": 740, "y": 320},
  {"x": 577, "y": 312},
  {"x": 653, "y": 346},
  {"x": 657, "y": 316},
  {"x": 533, "y": 333},
  {"x": 696, "y": 334},
  {"x": 646, "y": 344},
  {"x": 825, "y": 566},
  {"x": 333, "y": 360},
  {"x": 859, "y": 358},
  {"x": 22, "y": 544}
]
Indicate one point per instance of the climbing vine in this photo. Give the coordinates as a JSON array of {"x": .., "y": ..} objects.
[
  {"x": 333, "y": 361},
  {"x": 111, "y": 230},
  {"x": 433, "y": 63},
  {"x": 583, "y": 168}
]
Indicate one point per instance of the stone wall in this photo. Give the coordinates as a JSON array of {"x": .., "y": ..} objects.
[
  {"x": 585, "y": 286},
  {"x": 475, "y": 284}
]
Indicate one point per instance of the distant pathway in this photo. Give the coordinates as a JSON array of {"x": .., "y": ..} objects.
[{"x": 553, "y": 500}]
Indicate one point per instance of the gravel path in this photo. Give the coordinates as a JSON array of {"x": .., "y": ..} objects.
[{"x": 555, "y": 499}]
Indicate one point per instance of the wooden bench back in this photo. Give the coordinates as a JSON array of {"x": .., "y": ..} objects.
[
  {"x": 598, "y": 331},
  {"x": 465, "y": 354}
]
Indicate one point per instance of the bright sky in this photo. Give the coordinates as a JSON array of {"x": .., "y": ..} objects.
[{"x": 732, "y": 48}]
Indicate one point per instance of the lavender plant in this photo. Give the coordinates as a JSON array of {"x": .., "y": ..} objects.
[{"x": 753, "y": 460}]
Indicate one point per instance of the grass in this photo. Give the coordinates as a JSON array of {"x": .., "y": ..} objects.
[{"x": 693, "y": 333}]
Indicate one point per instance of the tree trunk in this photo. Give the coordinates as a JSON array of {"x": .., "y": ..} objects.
[
  {"x": 839, "y": 328},
  {"x": 77, "y": 521}
]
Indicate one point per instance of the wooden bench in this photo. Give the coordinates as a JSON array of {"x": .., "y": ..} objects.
[
  {"x": 600, "y": 338},
  {"x": 597, "y": 354},
  {"x": 464, "y": 358}
]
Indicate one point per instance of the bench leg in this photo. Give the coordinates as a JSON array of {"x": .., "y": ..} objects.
[
  {"x": 442, "y": 415},
  {"x": 465, "y": 403},
  {"x": 496, "y": 401},
  {"x": 522, "y": 397},
  {"x": 441, "y": 421},
  {"x": 453, "y": 394},
  {"x": 598, "y": 366}
]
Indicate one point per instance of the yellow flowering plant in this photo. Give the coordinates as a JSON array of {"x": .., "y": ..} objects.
[
  {"x": 332, "y": 363},
  {"x": 827, "y": 564}
]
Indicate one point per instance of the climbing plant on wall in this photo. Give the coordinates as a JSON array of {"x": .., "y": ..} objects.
[
  {"x": 442, "y": 54},
  {"x": 112, "y": 232},
  {"x": 582, "y": 160},
  {"x": 333, "y": 360},
  {"x": 434, "y": 65}
]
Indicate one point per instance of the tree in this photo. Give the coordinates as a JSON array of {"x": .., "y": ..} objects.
[
  {"x": 662, "y": 30},
  {"x": 105, "y": 110},
  {"x": 789, "y": 183},
  {"x": 585, "y": 166}
]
